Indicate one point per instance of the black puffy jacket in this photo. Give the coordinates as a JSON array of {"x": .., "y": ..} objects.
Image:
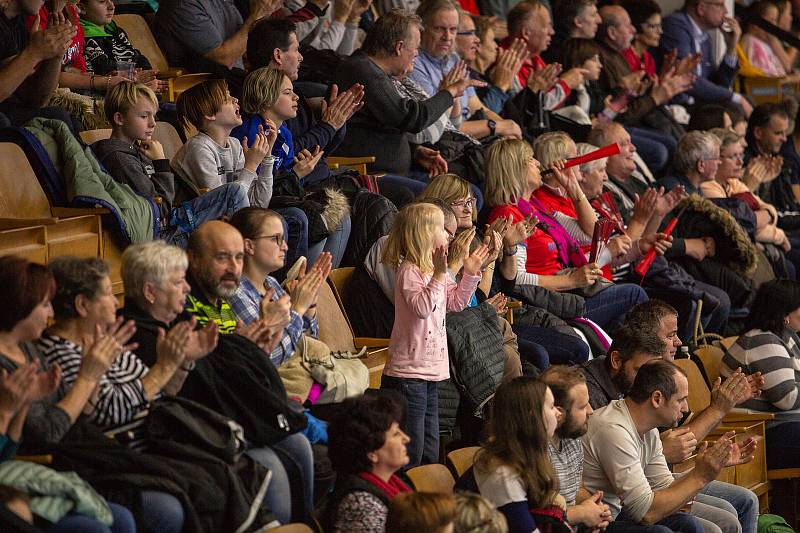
[{"x": 371, "y": 217}]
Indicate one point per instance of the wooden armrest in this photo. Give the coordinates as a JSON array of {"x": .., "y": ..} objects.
[
  {"x": 333, "y": 166},
  {"x": 345, "y": 161},
  {"x": 203, "y": 190},
  {"x": 747, "y": 417},
  {"x": 15, "y": 223},
  {"x": 370, "y": 342},
  {"x": 172, "y": 72},
  {"x": 65, "y": 212},
  {"x": 783, "y": 473},
  {"x": 513, "y": 304},
  {"x": 46, "y": 459},
  {"x": 158, "y": 200}
]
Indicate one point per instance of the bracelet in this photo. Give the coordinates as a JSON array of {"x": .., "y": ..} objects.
[
  {"x": 580, "y": 198},
  {"x": 507, "y": 252},
  {"x": 188, "y": 366}
]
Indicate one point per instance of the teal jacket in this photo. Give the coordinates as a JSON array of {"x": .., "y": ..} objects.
[{"x": 87, "y": 184}]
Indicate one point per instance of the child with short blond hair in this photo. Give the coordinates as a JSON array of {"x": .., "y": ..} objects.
[
  {"x": 423, "y": 294},
  {"x": 134, "y": 158}
]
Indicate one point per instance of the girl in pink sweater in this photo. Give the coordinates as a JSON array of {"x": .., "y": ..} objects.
[{"x": 423, "y": 294}]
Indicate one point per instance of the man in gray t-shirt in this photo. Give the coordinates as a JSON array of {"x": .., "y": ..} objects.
[{"x": 207, "y": 35}]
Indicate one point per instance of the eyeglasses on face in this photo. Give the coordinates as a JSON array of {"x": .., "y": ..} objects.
[
  {"x": 463, "y": 204},
  {"x": 467, "y": 33},
  {"x": 278, "y": 238}
]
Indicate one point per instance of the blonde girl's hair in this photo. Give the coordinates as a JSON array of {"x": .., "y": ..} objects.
[
  {"x": 507, "y": 171},
  {"x": 448, "y": 188},
  {"x": 552, "y": 146},
  {"x": 261, "y": 90},
  {"x": 431, "y": 512},
  {"x": 411, "y": 238},
  {"x": 476, "y": 515}
]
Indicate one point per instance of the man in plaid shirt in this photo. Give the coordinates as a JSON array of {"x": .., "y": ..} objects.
[{"x": 571, "y": 396}]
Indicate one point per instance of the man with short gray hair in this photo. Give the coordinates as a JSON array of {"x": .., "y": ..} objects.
[
  {"x": 380, "y": 127},
  {"x": 696, "y": 161}
]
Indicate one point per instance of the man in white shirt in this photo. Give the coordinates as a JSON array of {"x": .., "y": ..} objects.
[{"x": 624, "y": 458}]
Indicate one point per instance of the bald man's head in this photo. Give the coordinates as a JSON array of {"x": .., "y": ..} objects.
[
  {"x": 216, "y": 254},
  {"x": 616, "y": 29}
]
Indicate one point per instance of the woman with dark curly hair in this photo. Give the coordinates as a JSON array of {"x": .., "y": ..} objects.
[
  {"x": 772, "y": 347},
  {"x": 366, "y": 447},
  {"x": 646, "y": 18}
]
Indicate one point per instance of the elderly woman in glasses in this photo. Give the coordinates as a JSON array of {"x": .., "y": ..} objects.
[{"x": 728, "y": 183}]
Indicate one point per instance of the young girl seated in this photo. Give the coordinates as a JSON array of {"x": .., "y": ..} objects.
[{"x": 269, "y": 100}]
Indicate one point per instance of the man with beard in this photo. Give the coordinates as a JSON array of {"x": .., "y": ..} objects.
[
  {"x": 609, "y": 377},
  {"x": 216, "y": 258},
  {"x": 660, "y": 321},
  {"x": 623, "y": 455},
  {"x": 565, "y": 450}
]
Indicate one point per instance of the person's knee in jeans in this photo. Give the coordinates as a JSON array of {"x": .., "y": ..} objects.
[
  {"x": 297, "y": 448},
  {"x": 161, "y": 512},
  {"x": 336, "y": 243},
  {"x": 296, "y": 227},
  {"x": 278, "y": 497}
]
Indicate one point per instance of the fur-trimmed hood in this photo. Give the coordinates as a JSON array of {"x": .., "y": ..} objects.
[{"x": 703, "y": 218}]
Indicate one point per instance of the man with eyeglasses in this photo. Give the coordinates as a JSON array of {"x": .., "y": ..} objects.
[
  {"x": 437, "y": 57},
  {"x": 687, "y": 32}
]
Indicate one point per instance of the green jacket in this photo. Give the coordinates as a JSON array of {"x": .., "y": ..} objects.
[{"x": 86, "y": 181}]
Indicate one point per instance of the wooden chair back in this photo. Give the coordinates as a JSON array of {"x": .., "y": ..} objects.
[
  {"x": 293, "y": 528},
  {"x": 21, "y": 196},
  {"x": 92, "y": 136},
  {"x": 432, "y": 478},
  {"x": 462, "y": 459},
  {"x": 167, "y": 135},
  {"x": 142, "y": 37},
  {"x": 334, "y": 330},
  {"x": 699, "y": 394},
  {"x": 711, "y": 357}
]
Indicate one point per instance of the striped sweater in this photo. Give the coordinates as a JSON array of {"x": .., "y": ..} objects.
[
  {"x": 120, "y": 393},
  {"x": 778, "y": 360}
]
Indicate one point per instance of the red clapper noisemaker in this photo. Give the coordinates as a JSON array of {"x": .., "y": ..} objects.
[
  {"x": 603, "y": 229},
  {"x": 644, "y": 264},
  {"x": 600, "y": 153},
  {"x": 606, "y": 207}
]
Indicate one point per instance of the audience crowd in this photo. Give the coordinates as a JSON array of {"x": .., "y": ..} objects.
[{"x": 532, "y": 306}]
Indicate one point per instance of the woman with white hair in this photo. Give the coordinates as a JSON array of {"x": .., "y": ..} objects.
[{"x": 154, "y": 274}]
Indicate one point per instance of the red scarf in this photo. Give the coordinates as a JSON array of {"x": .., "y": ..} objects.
[{"x": 391, "y": 488}]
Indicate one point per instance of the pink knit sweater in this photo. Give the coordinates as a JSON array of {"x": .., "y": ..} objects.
[{"x": 418, "y": 347}]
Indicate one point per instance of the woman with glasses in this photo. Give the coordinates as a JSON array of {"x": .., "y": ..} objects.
[
  {"x": 646, "y": 18},
  {"x": 728, "y": 183}
]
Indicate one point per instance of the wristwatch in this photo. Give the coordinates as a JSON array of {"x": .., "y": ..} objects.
[{"x": 492, "y": 126}]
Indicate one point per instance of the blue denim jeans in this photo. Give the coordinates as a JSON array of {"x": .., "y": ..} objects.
[
  {"x": 295, "y": 228},
  {"x": 674, "y": 522},
  {"x": 287, "y": 459},
  {"x": 77, "y": 523},
  {"x": 560, "y": 348},
  {"x": 336, "y": 243},
  {"x": 422, "y": 417},
  {"x": 187, "y": 217},
  {"x": 655, "y": 147},
  {"x": 743, "y": 502},
  {"x": 161, "y": 512},
  {"x": 608, "y": 307}
]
